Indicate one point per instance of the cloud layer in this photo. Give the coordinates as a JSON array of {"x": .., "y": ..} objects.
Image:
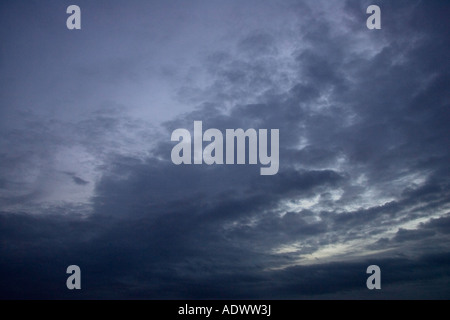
[{"x": 86, "y": 176}]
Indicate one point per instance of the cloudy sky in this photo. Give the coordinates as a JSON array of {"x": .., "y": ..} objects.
[{"x": 86, "y": 176}]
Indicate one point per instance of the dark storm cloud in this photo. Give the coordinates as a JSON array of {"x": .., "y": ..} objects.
[
  {"x": 363, "y": 118},
  {"x": 142, "y": 264}
]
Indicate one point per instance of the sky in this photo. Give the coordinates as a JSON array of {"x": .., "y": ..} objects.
[{"x": 86, "y": 176}]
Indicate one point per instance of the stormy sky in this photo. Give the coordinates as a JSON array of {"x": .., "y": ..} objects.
[{"x": 86, "y": 176}]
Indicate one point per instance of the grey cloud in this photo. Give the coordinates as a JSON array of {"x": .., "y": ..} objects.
[
  {"x": 79, "y": 181},
  {"x": 138, "y": 267},
  {"x": 363, "y": 173},
  {"x": 258, "y": 44}
]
